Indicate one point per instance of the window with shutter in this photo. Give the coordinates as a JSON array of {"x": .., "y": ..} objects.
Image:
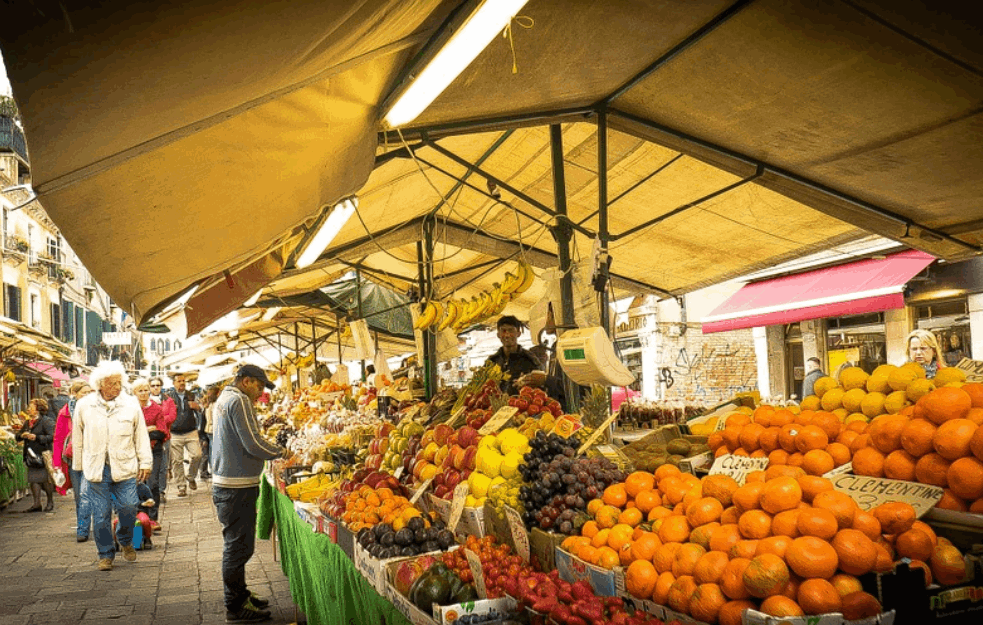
[{"x": 56, "y": 320}]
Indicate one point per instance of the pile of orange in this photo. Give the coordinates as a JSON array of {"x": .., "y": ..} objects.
[
  {"x": 785, "y": 543},
  {"x": 817, "y": 441},
  {"x": 936, "y": 441},
  {"x": 366, "y": 507}
]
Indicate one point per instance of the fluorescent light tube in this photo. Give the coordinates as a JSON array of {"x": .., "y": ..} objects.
[
  {"x": 253, "y": 299},
  {"x": 270, "y": 313},
  {"x": 27, "y": 339},
  {"x": 231, "y": 345},
  {"x": 340, "y": 215},
  {"x": 463, "y": 47}
]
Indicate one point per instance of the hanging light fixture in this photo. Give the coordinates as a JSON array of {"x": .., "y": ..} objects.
[
  {"x": 482, "y": 25},
  {"x": 336, "y": 220}
]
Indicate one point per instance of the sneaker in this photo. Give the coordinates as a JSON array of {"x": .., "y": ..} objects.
[
  {"x": 182, "y": 492},
  {"x": 150, "y": 503},
  {"x": 193, "y": 485},
  {"x": 105, "y": 564},
  {"x": 163, "y": 498},
  {"x": 156, "y": 527},
  {"x": 129, "y": 553},
  {"x": 81, "y": 539},
  {"x": 247, "y": 614},
  {"x": 257, "y": 601}
]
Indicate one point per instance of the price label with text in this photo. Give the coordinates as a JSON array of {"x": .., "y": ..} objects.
[
  {"x": 399, "y": 472},
  {"x": 597, "y": 433},
  {"x": 566, "y": 426},
  {"x": 737, "y": 466},
  {"x": 500, "y": 418},
  {"x": 870, "y": 492},
  {"x": 519, "y": 535},
  {"x": 457, "y": 505},
  {"x": 474, "y": 563},
  {"x": 419, "y": 492}
]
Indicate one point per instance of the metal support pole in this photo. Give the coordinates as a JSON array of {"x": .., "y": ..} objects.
[
  {"x": 429, "y": 338},
  {"x": 314, "y": 343},
  {"x": 297, "y": 353},
  {"x": 602, "y": 213},
  {"x": 563, "y": 233},
  {"x": 358, "y": 300}
]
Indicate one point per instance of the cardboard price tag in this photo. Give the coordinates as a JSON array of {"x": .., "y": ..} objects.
[
  {"x": 500, "y": 418},
  {"x": 870, "y": 492},
  {"x": 457, "y": 505},
  {"x": 597, "y": 433},
  {"x": 457, "y": 413},
  {"x": 566, "y": 426},
  {"x": 972, "y": 368},
  {"x": 737, "y": 466},
  {"x": 399, "y": 472},
  {"x": 474, "y": 563},
  {"x": 518, "y": 529},
  {"x": 419, "y": 492}
]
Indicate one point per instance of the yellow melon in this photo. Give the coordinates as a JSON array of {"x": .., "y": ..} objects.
[
  {"x": 895, "y": 402},
  {"x": 853, "y": 399},
  {"x": 811, "y": 403},
  {"x": 824, "y": 384},
  {"x": 873, "y": 404},
  {"x": 856, "y": 417},
  {"x": 832, "y": 398},
  {"x": 905, "y": 375},
  {"x": 853, "y": 377},
  {"x": 949, "y": 375},
  {"x": 918, "y": 389}
]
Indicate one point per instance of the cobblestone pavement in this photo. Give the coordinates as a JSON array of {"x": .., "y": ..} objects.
[{"x": 48, "y": 577}]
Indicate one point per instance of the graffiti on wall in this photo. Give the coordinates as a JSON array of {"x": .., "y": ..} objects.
[{"x": 709, "y": 370}]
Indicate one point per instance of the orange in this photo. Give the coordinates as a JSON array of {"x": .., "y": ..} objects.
[
  {"x": 846, "y": 584},
  {"x": 619, "y": 536},
  {"x": 607, "y": 558},
  {"x": 593, "y": 506},
  {"x": 780, "y": 494},
  {"x": 885, "y": 432},
  {"x": 663, "y": 583},
  {"x": 716, "y": 440},
  {"x": 637, "y": 482},
  {"x": 773, "y": 544},
  {"x": 975, "y": 392},
  {"x": 786, "y": 438},
  {"x": 640, "y": 579},
  {"x": 710, "y": 567},
  {"x": 818, "y": 596},
  {"x": 856, "y": 552},
  {"x": 965, "y": 477},
  {"x": 900, "y": 465},
  {"x": 926, "y": 570},
  {"x": 724, "y": 537},
  {"x": 615, "y": 495},
  {"x": 755, "y": 476},
  {"x": 828, "y": 422},
  {"x": 860, "y": 605},
  {"x": 786, "y": 523},
  {"x": 746, "y": 497},
  {"x": 817, "y": 522},
  {"x": 895, "y": 516},
  {"x": 841, "y": 505},
  {"x": 631, "y": 517},
  {"x": 868, "y": 524},
  {"x": 782, "y": 417},
  {"x": 732, "y": 579},
  {"x": 587, "y": 553},
  {"x": 658, "y": 513},
  {"x": 704, "y": 510},
  {"x": 680, "y": 592},
  {"x": 646, "y": 501},
  {"x": 818, "y": 461},
  {"x": 917, "y": 436},
  {"x": 932, "y": 469},
  {"x": 664, "y": 471},
  {"x": 779, "y": 456},
  {"x": 665, "y": 555},
  {"x": 840, "y": 453},
  {"x": 809, "y": 557},
  {"x": 755, "y": 524},
  {"x": 868, "y": 461},
  {"x": 812, "y": 485},
  {"x": 685, "y": 559},
  {"x": 795, "y": 459},
  {"x": 721, "y": 488},
  {"x": 781, "y": 606},
  {"x": 768, "y": 440},
  {"x": 744, "y": 549},
  {"x": 946, "y": 403},
  {"x": 948, "y": 566},
  {"x": 589, "y": 529},
  {"x": 607, "y": 517},
  {"x": 706, "y": 602},
  {"x": 674, "y": 529},
  {"x": 601, "y": 538},
  {"x": 811, "y": 437},
  {"x": 952, "y": 439},
  {"x": 765, "y": 575},
  {"x": 701, "y": 535},
  {"x": 645, "y": 546},
  {"x": 914, "y": 544}
]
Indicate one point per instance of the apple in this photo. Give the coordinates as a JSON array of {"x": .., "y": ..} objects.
[
  {"x": 440, "y": 491},
  {"x": 470, "y": 458},
  {"x": 467, "y": 436},
  {"x": 382, "y": 445},
  {"x": 383, "y": 429},
  {"x": 452, "y": 440},
  {"x": 427, "y": 437},
  {"x": 452, "y": 479},
  {"x": 430, "y": 452},
  {"x": 441, "y": 455},
  {"x": 418, "y": 468},
  {"x": 457, "y": 457},
  {"x": 438, "y": 479},
  {"x": 441, "y": 433}
]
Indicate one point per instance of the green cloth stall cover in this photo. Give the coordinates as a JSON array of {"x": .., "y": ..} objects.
[{"x": 324, "y": 583}]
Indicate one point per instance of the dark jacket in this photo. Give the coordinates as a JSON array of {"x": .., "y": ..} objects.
[
  {"x": 44, "y": 429},
  {"x": 187, "y": 420},
  {"x": 55, "y": 404},
  {"x": 808, "y": 384},
  {"x": 515, "y": 365}
]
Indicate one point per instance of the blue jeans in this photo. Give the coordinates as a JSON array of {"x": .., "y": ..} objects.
[
  {"x": 82, "y": 515},
  {"x": 236, "y": 510},
  {"x": 101, "y": 497}
]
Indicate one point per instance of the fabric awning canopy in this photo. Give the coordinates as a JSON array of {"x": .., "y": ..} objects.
[
  {"x": 173, "y": 143},
  {"x": 851, "y": 289},
  {"x": 56, "y": 375}
]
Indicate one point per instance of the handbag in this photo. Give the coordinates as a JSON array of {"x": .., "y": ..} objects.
[
  {"x": 67, "y": 451},
  {"x": 33, "y": 460}
]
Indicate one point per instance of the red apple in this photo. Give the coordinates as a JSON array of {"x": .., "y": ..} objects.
[
  {"x": 440, "y": 491},
  {"x": 470, "y": 458},
  {"x": 457, "y": 457},
  {"x": 442, "y": 433},
  {"x": 383, "y": 429},
  {"x": 419, "y": 467},
  {"x": 452, "y": 479}
]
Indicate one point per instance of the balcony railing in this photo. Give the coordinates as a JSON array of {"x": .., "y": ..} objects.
[{"x": 12, "y": 138}]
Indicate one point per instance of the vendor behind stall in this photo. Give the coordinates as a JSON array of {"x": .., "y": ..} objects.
[{"x": 513, "y": 359}]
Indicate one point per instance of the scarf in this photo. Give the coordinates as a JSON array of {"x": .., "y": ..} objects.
[{"x": 931, "y": 369}]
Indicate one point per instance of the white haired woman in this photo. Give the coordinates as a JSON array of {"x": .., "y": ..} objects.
[
  {"x": 112, "y": 449},
  {"x": 924, "y": 349}
]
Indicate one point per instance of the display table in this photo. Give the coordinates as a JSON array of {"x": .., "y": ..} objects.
[{"x": 324, "y": 583}]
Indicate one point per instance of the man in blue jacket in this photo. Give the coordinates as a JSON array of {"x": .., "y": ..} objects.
[{"x": 237, "y": 467}]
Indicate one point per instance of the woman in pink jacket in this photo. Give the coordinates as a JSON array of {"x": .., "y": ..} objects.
[{"x": 73, "y": 479}]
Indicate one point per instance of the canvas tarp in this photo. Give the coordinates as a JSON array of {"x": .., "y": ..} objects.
[{"x": 172, "y": 143}]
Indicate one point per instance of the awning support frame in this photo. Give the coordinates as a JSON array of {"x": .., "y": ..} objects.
[{"x": 562, "y": 233}]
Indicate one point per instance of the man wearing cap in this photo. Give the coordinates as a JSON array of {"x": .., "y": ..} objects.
[{"x": 239, "y": 452}]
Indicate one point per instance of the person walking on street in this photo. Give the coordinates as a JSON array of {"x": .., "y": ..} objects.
[
  {"x": 815, "y": 371},
  {"x": 38, "y": 434},
  {"x": 112, "y": 449},
  {"x": 62, "y": 457},
  {"x": 170, "y": 412},
  {"x": 157, "y": 429},
  {"x": 184, "y": 435},
  {"x": 238, "y": 457},
  {"x": 211, "y": 396}
]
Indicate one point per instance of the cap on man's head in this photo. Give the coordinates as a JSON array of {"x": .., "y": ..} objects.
[{"x": 252, "y": 371}]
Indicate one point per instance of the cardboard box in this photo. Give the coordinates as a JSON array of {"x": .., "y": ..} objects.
[
  {"x": 447, "y": 615},
  {"x": 346, "y": 540},
  {"x": 606, "y": 583},
  {"x": 542, "y": 546},
  {"x": 664, "y": 435},
  {"x": 753, "y": 617},
  {"x": 309, "y": 513},
  {"x": 417, "y": 616},
  {"x": 472, "y": 521}
]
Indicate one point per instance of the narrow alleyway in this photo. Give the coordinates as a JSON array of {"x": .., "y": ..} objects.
[{"x": 47, "y": 577}]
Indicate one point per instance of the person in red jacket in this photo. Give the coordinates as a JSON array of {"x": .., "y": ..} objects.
[
  {"x": 61, "y": 457},
  {"x": 158, "y": 428}
]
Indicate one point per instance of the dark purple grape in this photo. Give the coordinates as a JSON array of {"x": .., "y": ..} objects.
[
  {"x": 546, "y": 523},
  {"x": 566, "y": 527}
]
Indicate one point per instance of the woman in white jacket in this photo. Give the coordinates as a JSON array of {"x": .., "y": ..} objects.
[{"x": 112, "y": 449}]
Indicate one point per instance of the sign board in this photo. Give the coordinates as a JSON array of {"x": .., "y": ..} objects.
[
  {"x": 497, "y": 420},
  {"x": 972, "y": 368},
  {"x": 518, "y": 530},
  {"x": 474, "y": 563},
  {"x": 601, "y": 429},
  {"x": 399, "y": 472},
  {"x": 117, "y": 338},
  {"x": 457, "y": 505},
  {"x": 566, "y": 425},
  {"x": 737, "y": 466},
  {"x": 419, "y": 492},
  {"x": 870, "y": 492},
  {"x": 364, "y": 345}
]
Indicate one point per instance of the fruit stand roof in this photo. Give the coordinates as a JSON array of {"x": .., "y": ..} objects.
[{"x": 188, "y": 143}]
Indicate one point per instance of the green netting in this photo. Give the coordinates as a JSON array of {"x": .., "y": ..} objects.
[
  {"x": 324, "y": 583},
  {"x": 15, "y": 477}
]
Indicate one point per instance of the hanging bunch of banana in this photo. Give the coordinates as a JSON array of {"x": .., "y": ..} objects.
[{"x": 458, "y": 314}]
